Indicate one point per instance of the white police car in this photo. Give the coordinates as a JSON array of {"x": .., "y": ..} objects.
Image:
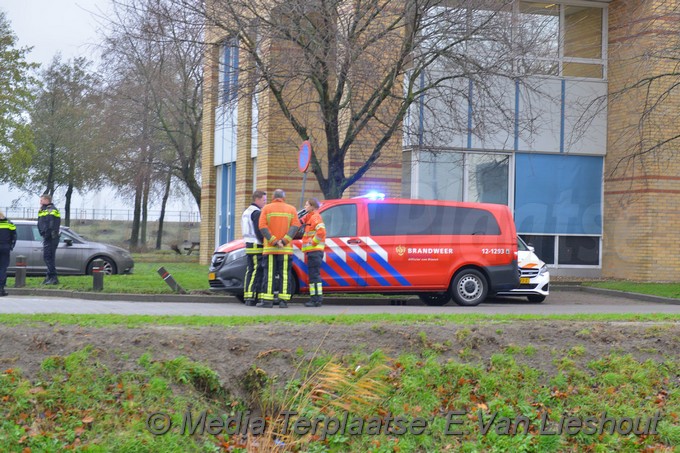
[{"x": 534, "y": 281}]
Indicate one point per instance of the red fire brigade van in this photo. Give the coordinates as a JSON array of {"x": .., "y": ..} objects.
[{"x": 439, "y": 250}]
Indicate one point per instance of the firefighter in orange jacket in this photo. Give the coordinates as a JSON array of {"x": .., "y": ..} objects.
[
  {"x": 278, "y": 223},
  {"x": 313, "y": 244}
]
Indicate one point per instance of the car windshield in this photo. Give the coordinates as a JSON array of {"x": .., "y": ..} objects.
[{"x": 521, "y": 245}]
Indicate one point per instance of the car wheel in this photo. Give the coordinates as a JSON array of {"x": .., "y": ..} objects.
[
  {"x": 435, "y": 299},
  {"x": 537, "y": 299},
  {"x": 469, "y": 288},
  {"x": 109, "y": 266}
]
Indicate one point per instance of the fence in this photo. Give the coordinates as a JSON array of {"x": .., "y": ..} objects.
[
  {"x": 114, "y": 226},
  {"x": 106, "y": 214}
]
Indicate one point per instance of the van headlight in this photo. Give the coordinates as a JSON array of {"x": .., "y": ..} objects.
[
  {"x": 543, "y": 269},
  {"x": 236, "y": 254}
]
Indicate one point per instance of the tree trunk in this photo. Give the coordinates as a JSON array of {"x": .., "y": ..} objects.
[
  {"x": 134, "y": 235},
  {"x": 166, "y": 195},
  {"x": 67, "y": 205},
  {"x": 50, "y": 172},
  {"x": 145, "y": 209}
]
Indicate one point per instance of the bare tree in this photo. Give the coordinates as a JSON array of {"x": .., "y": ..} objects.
[
  {"x": 347, "y": 73},
  {"x": 153, "y": 61},
  {"x": 646, "y": 85},
  {"x": 162, "y": 45}
]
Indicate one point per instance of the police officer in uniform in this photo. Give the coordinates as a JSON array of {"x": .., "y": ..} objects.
[
  {"x": 8, "y": 238},
  {"x": 252, "y": 236},
  {"x": 49, "y": 221}
]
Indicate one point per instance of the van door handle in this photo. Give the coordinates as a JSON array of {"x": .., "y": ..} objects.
[{"x": 354, "y": 241}]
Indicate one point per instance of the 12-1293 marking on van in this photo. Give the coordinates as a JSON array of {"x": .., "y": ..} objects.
[{"x": 495, "y": 251}]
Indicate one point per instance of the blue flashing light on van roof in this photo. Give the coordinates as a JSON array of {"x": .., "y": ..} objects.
[{"x": 373, "y": 195}]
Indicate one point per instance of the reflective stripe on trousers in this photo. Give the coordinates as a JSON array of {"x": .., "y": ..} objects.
[{"x": 277, "y": 266}]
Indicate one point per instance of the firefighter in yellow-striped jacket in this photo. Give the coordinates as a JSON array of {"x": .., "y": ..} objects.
[
  {"x": 278, "y": 223},
  {"x": 313, "y": 244}
]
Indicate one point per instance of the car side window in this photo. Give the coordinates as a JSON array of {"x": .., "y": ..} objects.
[
  {"x": 24, "y": 233},
  {"x": 36, "y": 233},
  {"x": 63, "y": 236},
  {"x": 340, "y": 221}
]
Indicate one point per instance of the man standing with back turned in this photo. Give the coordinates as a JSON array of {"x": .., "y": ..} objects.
[
  {"x": 278, "y": 223},
  {"x": 49, "y": 221},
  {"x": 250, "y": 225}
]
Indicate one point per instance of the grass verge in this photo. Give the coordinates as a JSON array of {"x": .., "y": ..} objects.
[
  {"x": 144, "y": 280},
  {"x": 671, "y": 290},
  {"x": 362, "y": 402}
]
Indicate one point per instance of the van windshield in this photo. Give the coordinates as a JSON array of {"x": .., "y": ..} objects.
[{"x": 521, "y": 245}]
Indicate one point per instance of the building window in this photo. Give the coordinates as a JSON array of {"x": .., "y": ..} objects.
[
  {"x": 558, "y": 194},
  {"x": 254, "y": 159},
  {"x": 459, "y": 176},
  {"x": 560, "y": 40},
  {"x": 544, "y": 246},
  {"x": 564, "y": 251},
  {"x": 579, "y": 250},
  {"x": 228, "y": 71},
  {"x": 487, "y": 178}
]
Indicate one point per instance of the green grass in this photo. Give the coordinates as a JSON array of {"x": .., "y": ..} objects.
[
  {"x": 655, "y": 289},
  {"x": 78, "y": 404},
  {"x": 144, "y": 280}
]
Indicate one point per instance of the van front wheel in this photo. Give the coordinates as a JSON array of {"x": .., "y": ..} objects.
[{"x": 469, "y": 288}]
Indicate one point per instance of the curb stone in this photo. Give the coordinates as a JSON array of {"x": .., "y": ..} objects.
[
  {"x": 614, "y": 292},
  {"x": 330, "y": 300}
]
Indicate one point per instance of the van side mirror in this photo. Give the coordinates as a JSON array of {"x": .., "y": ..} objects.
[
  {"x": 531, "y": 248},
  {"x": 68, "y": 242}
]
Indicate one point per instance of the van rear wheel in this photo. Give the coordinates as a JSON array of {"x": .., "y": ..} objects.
[
  {"x": 469, "y": 288},
  {"x": 435, "y": 299}
]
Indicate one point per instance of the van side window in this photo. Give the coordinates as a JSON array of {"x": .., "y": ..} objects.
[
  {"x": 340, "y": 221},
  {"x": 387, "y": 219}
]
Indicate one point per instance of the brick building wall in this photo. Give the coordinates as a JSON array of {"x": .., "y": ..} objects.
[
  {"x": 208, "y": 173},
  {"x": 641, "y": 214},
  {"x": 278, "y": 148}
]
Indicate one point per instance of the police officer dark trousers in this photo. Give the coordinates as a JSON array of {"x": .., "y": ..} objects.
[
  {"x": 49, "y": 221},
  {"x": 8, "y": 238},
  {"x": 250, "y": 220}
]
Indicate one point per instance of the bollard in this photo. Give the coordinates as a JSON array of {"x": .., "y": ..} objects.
[
  {"x": 170, "y": 281},
  {"x": 20, "y": 274},
  {"x": 98, "y": 275}
]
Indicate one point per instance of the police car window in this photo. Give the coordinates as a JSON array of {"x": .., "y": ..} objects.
[
  {"x": 417, "y": 219},
  {"x": 340, "y": 221}
]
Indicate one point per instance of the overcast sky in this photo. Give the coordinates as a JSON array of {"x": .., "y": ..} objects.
[
  {"x": 69, "y": 27},
  {"x": 51, "y": 26}
]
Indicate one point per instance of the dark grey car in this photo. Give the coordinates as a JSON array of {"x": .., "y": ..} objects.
[{"x": 75, "y": 254}]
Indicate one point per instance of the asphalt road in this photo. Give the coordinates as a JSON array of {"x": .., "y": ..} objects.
[{"x": 564, "y": 301}]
